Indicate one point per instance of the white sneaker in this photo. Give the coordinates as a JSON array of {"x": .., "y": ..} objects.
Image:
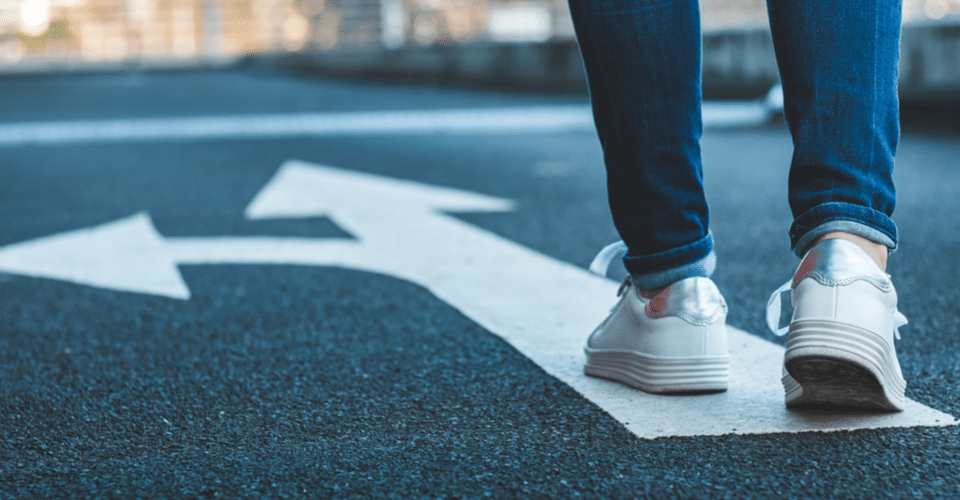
[
  {"x": 840, "y": 350},
  {"x": 675, "y": 342}
]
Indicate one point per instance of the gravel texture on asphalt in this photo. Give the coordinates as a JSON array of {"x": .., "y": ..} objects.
[{"x": 292, "y": 382}]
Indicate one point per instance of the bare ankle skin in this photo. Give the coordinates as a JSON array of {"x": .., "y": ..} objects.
[{"x": 876, "y": 251}]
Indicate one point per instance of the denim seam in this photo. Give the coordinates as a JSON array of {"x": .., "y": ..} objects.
[
  {"x": 839, "y": 210},
  {"x": 663, "y": 261},
  {"x": 703, "y": 267},
  {"x": 834, "y": 211},
  {"x": 806, "y": 241},
  {"x": 874, "y": 98},
  {"x": 848, "y": 218}
]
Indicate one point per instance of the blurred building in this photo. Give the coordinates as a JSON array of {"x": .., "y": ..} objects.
[{"x": 129, "y": 30}]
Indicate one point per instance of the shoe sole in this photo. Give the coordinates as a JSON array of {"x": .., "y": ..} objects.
[
  {"x": 657, "y": 374},
  {"x": 840, "y": 365}
]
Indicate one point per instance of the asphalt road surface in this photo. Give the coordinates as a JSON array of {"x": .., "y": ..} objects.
[{"x": 311, "y": 381}]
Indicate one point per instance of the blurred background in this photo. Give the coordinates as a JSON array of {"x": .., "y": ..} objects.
[{"x": 52, "y": 33}]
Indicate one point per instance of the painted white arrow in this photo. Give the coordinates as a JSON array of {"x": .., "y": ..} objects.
[
  {"x": 127, "y": 255},
  {"x": 543, "y": 307}
]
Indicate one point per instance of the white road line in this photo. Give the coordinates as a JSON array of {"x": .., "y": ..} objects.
[
  {"x": 545, "y": 308},
  {"x": 543, "y": 119}
]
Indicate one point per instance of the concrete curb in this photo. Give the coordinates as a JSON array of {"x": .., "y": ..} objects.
[{"x": 737, "y": 64}]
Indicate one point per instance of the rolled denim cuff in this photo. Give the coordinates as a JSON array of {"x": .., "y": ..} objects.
[
  {"x": 844, "y": 217},
  {"x": 662, "y": 269}
]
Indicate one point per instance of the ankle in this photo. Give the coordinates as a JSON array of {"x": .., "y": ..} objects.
[
  {"x": 649, "y": 293},
  {"x": 877, "y": 251}
]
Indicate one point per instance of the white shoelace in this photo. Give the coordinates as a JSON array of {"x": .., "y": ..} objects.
[
  {"x": 773, "y": 311},
  {"x": 773, "y": 314},
  {"x": 601, "y": 263}
]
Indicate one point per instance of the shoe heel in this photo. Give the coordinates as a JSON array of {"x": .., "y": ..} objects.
[{"x": 838, "y": 364}]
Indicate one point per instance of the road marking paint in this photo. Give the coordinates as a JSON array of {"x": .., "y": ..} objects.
[
  {"x": 545, "y": 308},
  {"x": 543, "y": 119}
]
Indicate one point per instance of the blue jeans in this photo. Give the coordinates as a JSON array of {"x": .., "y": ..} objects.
[{"x": 838, "y": 66}]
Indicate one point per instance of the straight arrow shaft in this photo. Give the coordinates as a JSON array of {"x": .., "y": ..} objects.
[{"x": 264, "y": 250}]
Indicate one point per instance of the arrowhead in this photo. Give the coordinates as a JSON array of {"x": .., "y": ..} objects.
[
  {"x": 126, "y": 255},
  {"x": 301, "y": 189}
]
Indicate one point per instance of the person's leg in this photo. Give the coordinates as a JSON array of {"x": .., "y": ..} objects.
[
  {"x": 642, "y": 60},
  {"x": 838, "y": 63}
]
